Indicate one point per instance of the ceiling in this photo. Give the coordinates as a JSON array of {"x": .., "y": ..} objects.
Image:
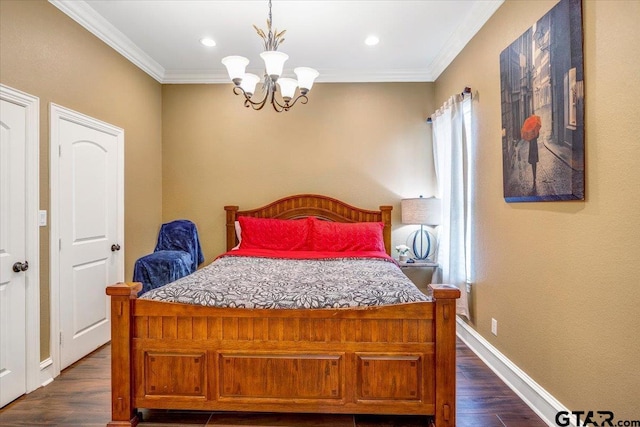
[{"x": 418, "y": 38}]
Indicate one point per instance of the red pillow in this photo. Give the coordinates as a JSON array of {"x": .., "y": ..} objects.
[
  {"x": 343, "y": 236},
  {"x": 276, "y": 234}
]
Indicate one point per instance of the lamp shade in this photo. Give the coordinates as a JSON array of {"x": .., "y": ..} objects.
[
  {"x": 306, "y": 76},
  {"x": 235, "y": 66},
  {"x": 287, "y": 87},
  {"x": 422, "y": 211},
  {"x": 274, "y": 62},
  {"x": 249, "y": 82}
]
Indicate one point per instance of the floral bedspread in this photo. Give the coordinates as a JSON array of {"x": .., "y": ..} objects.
[{"x": 255, "y": 282}]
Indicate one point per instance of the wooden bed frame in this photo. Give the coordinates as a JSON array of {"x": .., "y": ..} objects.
[{"x": 397, "y": 359}]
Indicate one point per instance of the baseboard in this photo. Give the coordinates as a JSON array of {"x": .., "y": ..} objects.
[
  {"x": 536, "y": 397},
  {"x": 46, "y": 371}
]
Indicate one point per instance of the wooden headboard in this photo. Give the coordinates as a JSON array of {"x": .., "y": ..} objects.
[{"x": 304, "y": 205}]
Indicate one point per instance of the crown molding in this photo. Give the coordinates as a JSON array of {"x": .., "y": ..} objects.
[
  {"x": 195, "y": 77},
  {"x": 326, "y": 76},
  {"x": 85, "y": 15},
  {"x": 467, "y": 29},
  {"x": 374, "y": 76}
]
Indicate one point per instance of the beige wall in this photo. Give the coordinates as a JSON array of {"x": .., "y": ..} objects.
[
  {"x": 561, "y": 277},
  {"x": 367, "y": 144},
  {"x": 46, "y": 54},
  {"x": 558, "y": 276}
]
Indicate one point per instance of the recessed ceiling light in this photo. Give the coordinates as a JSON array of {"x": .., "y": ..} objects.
[
  {"x": 208, "y": 42},
  {"x": 371, "y": 41}
]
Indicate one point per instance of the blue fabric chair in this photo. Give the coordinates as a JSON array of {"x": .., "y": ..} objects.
[{"x": 177, "y": 254}]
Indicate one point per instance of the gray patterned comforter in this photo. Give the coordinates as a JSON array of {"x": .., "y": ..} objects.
[{"x": 254, "y": 282}]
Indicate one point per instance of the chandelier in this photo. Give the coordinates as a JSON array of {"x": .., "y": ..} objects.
[{"x": 245, "y": 83}]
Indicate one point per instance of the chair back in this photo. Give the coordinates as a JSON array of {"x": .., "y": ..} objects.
[{"x": 181, "y": 235}]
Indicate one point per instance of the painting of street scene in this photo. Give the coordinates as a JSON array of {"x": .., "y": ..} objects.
[{"x": 542, "y": 96}]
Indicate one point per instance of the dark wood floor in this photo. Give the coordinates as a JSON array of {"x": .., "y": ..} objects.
[{"x": 80, "y": 396}]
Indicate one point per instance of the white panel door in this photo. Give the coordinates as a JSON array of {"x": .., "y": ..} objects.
[
  {"x": 19, "y": 245},
  {"x": 12, "y": 252},
  {"x": 89, "y": 218}
]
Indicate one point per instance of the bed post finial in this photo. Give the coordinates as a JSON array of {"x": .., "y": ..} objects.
[
  {"x": 386, "y": 231},
  {"x": 231, "y": 226}
]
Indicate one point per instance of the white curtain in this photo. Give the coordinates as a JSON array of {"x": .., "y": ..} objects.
[{"x": 451, "y": 148}]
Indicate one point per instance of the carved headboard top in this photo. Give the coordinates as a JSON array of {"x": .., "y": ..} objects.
[{"x": 304, "y": 205}]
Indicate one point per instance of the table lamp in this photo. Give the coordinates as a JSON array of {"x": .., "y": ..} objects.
[{"x": 421, "y": 211}]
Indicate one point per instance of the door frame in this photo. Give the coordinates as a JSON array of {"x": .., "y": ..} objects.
[
  {"x": 58, "y": 113},
  {"x": 31, "y": 105}
]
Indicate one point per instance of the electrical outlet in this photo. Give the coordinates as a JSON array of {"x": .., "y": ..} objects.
[{"x": 494, "y": 326}]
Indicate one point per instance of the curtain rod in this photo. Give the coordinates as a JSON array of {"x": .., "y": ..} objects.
[{"x": 466, "y": 90}]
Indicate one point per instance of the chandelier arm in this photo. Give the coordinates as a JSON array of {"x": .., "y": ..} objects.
[
  {"x": 287, "y": 105},
  {"x": 303, "y": 100},
  {"x": 247, "y": 100},
  {"x": 277, "y": 106},
  {"x": 255, "y": 105}
]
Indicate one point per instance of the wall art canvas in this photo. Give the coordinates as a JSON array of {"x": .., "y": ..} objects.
[{"x": 542, "y": 96}]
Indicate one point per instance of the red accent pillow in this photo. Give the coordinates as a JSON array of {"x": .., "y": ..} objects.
[
  {"x": 277, "y": 234},
  {"x": 343, "y": 236}
]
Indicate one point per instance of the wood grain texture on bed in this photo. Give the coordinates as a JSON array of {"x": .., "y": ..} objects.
[{"x": 390, "y": 359}]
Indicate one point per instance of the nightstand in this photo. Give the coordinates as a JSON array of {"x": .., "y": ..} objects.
[{"x": 419, "y": 272}]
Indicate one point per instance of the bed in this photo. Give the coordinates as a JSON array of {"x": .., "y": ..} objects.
[{"x": 396, "y": 359}]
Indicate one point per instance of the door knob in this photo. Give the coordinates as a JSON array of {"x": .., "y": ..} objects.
[
  {"x": 115, "y": 247},
  {"x": 20, "y": 266}
]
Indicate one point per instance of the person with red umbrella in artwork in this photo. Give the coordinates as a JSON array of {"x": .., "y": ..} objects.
[{"x": 530, "y": 132}]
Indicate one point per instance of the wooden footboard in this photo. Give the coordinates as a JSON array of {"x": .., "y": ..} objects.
[{"x": 396, "y": 359}]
